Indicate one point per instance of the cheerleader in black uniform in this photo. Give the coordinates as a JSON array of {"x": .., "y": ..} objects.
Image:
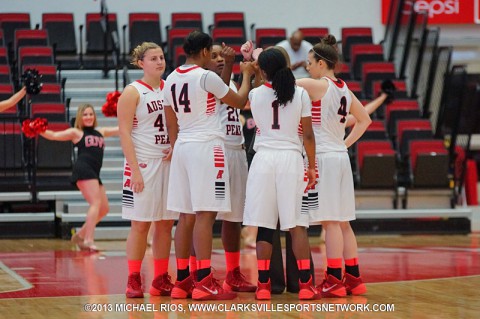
[{"x": 86, "y": 171}]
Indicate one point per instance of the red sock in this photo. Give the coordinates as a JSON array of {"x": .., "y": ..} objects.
[
  {"x": 193, "y": 263},
  {"x": 203, "y": 264},
  {"x": 303, "y": 264},
  {"x": 233, "y": 260},
  {"x": 263, "y": 264},
  {"x": 160, "y": 266},
  {"x": 134, "y": 266},
  {"x": 263, "y": 270},
  {"x": 351, "y": 262},
  {"x": 182, "y": 263},
  {"x": 334, "y": 267},
  {"x": 334, "y": 262},
  {"x": 203, "y": 268}
]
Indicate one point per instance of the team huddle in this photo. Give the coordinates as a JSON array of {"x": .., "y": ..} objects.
[{"x": 185, "y": 161}]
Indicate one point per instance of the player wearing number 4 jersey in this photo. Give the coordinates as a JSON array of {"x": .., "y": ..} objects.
[
  {"x": 332, "y": 103},
  {"x": 199, "y": 169},
  {"x": 145, "y": 144}
]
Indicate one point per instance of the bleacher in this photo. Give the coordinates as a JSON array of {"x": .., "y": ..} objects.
[{"x": 406, "y": 165}]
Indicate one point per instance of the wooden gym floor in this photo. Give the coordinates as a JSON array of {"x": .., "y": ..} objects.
[{"x": 416, "y": 277}]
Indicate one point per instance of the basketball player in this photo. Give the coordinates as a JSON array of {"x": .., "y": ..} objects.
[
  {"x": 332, "y": 103},
  {"x": 199, "y": 165},
  {"x": 275, "y": 184},
  {"x": 221, "y": 63},
  {"x": 145, "y": 144}
]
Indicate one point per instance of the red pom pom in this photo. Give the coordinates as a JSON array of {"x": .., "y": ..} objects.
[
  {"x": 27, "y": 129},
  {"x": 32, "y": 128},
  {"x": 110, "y": 107}
]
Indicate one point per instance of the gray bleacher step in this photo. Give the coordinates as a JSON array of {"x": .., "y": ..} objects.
[
  {"x": 98, "y": 74},
  {"x": 96, "y": 102},
  {"x": 93, "y": 92},
  {"x": 113, "y": 162},
  {"x": 75, "y": 195},
  {"x": 111, "y": 173},
  {"x": 113, "y": 151},
  {"x": 112, "y": 140},
  {"x": 106, "y": 121},
  {"x": 26, "y": 217},
  {"x": 80, "y": 217},
  {"x": 81, "y": 207},
  {"x": 112, "y": 185},
  {"x": 111, "y": 233},
  {"x": 87, "y": 84}
]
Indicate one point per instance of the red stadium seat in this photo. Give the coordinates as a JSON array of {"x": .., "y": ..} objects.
[
  {"x": 143, "y": 27},
  {"x": 53, "y": 112},
  {"x": 372, "y": 71},
  {"x": 376, "y": 162},
  {"x": 400, "y": 89},
  {"x": 361, "y": 53},
  {"x": 48, "y": 72},
  {"x": 429, "y": 164},
  {"x": 9, "y": 22},
  {"x": 230, "y": 36},
  {"x": 314, "y": 35},
  {"x": 353, "y": 35},
  {"x": 5, "y": 77},
  {"x": 190, "y": 20},
  {"x": 265, "y": 37}
]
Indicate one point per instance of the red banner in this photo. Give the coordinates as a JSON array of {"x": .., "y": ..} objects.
[{"x": 440, "y": 11}]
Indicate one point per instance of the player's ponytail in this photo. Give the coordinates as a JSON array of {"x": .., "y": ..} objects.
[{"x": 274, "y": 64}]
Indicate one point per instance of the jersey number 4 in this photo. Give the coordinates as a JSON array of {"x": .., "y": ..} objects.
[
  {"x": 342, "y": 111},
  {"x": 182, "y": 98}
]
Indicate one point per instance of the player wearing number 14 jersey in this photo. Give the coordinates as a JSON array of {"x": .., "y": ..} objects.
[{"x": 199, "y": 173}]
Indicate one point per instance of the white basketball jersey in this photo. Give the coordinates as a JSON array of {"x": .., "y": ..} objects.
[
  {"x": 230, "y": 117},
  {"x": 192, "y": 92},
  {"x": 277, "y": 125},
  {"x": 329, "y": 117},
  {"x": 149, "y": 132}
]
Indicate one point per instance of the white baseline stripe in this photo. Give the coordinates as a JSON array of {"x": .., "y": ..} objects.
[{"x": 26, "y": 285}]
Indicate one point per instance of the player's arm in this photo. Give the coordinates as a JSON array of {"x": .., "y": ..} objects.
[
  {"x": 238, "y": 100},
  {"x": 369, "y": 107},
  {"x": 172, "y": 124},
  {"x": 362, "y": 121},
  {"x": 308, "y": 138},
  {"x": 126, "y": 107},
  {"x": 228, "y": 55}
]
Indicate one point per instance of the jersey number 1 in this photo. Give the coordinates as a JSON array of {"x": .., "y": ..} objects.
[
  {"x": 182, "y": 99},
  {"x": 275, "y": 124}
]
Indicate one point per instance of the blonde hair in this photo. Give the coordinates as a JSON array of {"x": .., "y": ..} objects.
[
  {"x": 79, "y": 118},
  {"x": 139, "y": 52},
  {"x": 284, "y": 52}
]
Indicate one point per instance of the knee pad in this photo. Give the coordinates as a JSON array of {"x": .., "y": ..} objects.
[{"x": 265, "y": 234}]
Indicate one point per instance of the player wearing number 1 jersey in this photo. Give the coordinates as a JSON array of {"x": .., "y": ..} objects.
[
  {"x": 275, "y": 182},
  {"x": 332, "y": 103},
  {"x": 199, "y": 172},
  {"x": 145, "y": 144}
]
